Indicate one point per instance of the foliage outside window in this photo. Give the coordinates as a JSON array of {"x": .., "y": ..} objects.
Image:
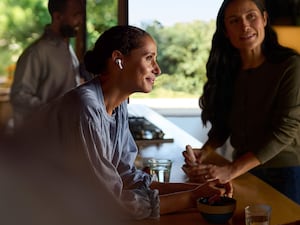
[
  {"x": 21, "y": 23},
  {"x": 183, "y": 50}
]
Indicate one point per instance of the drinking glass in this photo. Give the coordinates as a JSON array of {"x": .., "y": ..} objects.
[
  {"x": 160, "y": 169},
  {"x": 258, "y": 214}
]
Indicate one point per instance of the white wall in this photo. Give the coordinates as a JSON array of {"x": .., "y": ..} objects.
[{"x": 192, "y": 125}]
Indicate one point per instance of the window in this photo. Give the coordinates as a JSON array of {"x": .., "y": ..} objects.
[
  {"x": 100, "y": 15},
  {"x": 183, "y": 31}
]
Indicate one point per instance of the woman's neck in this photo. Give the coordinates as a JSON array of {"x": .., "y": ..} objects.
[
  {"x": 112, "y": 95},
  {"x": 252, "y": 59}
]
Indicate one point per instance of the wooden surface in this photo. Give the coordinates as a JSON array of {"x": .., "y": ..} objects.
[{"x": 247, "y": 189}]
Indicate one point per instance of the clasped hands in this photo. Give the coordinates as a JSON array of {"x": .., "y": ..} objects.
[{"x": 198, "y": 171}]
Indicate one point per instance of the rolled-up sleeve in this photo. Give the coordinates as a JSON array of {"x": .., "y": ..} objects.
[{"x": 113, "y": 163}]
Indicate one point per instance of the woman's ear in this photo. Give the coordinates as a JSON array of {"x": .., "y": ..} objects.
[
  {"x": 116, "y": 54},
  {"x": 117, "y": 57}
]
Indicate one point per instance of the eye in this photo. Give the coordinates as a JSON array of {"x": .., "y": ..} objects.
[
  {"x": 149, "y": 57},
  {"x": 251, "y": 16},
  {"x": 233, "y": 20}
]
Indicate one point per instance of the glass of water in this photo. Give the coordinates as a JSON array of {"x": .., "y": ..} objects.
[
  {"x": 160, "y": 169},
  {"x": 258, "y": 214}
]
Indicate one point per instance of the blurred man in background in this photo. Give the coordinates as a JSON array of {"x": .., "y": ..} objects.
[{"x": 49, "y": 67}]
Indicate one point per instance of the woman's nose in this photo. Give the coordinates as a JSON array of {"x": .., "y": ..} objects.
[
  {"x": 245, "y": 24},
  {"x": 157, "y": 70}
]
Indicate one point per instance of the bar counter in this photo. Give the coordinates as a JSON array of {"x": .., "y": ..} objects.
[{"x": 248, "y": 189}]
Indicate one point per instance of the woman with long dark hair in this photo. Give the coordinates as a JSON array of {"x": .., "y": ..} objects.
[{"x": 252, "y": 97}]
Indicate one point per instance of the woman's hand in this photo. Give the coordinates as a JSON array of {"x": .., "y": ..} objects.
[
  {"x": 204, "y": 172},
  {"x": 208, "y": 172},
  {"x": 200, "y": 172},
  {"x": 212, "y": 189},
  {"x": 193, "y": 156}
]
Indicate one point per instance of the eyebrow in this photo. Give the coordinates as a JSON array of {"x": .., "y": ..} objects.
[{"x": 233, "y": 16}]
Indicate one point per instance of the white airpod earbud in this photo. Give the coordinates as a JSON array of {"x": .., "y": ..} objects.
[{"x": 119, "y": 62}]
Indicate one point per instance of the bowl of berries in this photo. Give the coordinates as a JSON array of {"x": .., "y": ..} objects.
[{"x": 217, "y": 210}]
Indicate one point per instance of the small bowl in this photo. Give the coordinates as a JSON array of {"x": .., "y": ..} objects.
[{"x": 219, "y": 211}]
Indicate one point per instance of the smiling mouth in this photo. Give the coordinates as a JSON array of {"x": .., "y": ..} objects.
[
  {"x": 151, "y": 80},
  {"x": 247, "y": 37}
]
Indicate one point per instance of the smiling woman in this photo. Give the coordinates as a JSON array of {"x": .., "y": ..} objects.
[
  {"x": 90, "y": 122},
  {"x": 245, "y": 63}
]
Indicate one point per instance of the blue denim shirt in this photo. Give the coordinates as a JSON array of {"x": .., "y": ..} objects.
[{"x": 79, "y": 123}]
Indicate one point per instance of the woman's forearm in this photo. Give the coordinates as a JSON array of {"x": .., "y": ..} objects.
[
  {"x": 243, "y": 164},
  {"x": 176, "y": 202},
  {"x": 167, "y": 188}
]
